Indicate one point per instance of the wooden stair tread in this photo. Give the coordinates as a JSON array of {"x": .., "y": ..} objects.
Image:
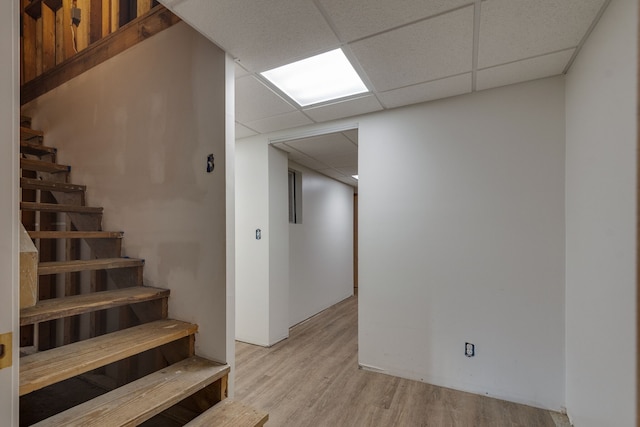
[
  {"x": 230, "y": 413},
  {"x": 42, "y": 166},
  {"x": 76, "y": 234},
  {"x": 57, "y": 308},
  {"x": 36, "y": 149},
  {"x": 55, "y": 267},
  {"x": 28, "y": 133},
  {"x": 38, "y": 184},
  {"x": 53, "y": 207},
  {"x": 49, "y": 367},
  {"x": 140, "y": 400}
]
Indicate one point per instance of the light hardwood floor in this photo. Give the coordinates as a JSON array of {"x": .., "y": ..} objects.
[{"x": 312, "y": 379}]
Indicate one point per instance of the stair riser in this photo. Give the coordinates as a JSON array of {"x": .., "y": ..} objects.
[
  {"x": 58, "y": 187},
  {"x": 75, "y": 234},
  {"x": 46, "y": 368},
  {"x": 46, "y": 167},
  {"x": 155, "y": 300},
  {"x": 45, "y": 270},
  {"x": 38, "y": 150},
  {"x": 139, "y": 401}
]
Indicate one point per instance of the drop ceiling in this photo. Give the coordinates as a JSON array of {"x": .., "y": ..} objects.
[
  {"x": 334, "y": 155},
  {"x": 406, "y": 51}
]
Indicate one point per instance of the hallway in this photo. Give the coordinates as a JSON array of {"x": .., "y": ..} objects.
[{"x": 312, "y": 379}]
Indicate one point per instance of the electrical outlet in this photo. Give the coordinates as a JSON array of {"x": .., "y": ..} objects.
[
  {"x": 469, "y": 349},
  {"x": 75, "y": 16}
]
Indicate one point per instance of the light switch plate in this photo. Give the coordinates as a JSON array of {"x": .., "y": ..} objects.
[{"x": 6, "y": 350}]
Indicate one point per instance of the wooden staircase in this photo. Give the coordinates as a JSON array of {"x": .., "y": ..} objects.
[{"x": 95, "y": 319}]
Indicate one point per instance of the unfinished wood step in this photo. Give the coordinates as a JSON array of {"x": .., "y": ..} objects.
[
  {"x": 42, "y": 166},
  {"x": 28, "y": 134},
  {"x": 49, "y": 367},
  {"x": 38, "y": 184},
  {"x": 57, "y": 267},
  {"x": 230, "y": 413},
  {"x": 58, "y": 308},
  {"x": 36, "y": 149},
  {"x": 25, "y": 121},
  {"x": 138, "y": 401},
  {"x": 76, "y": 234},
  {"x": 54, "y": 207}
]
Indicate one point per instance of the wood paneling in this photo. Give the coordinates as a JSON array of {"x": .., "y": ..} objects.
[
  {"x": 29, "y": 43},
  {"x": 131, "y": 34},
  {"x": 48, "y": 38},
  {"x": 95, "y": 21}
]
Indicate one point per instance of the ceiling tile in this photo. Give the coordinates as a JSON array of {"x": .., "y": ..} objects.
[
  {"x": 338, "y": 176},
  {"x": 324, "y": 146},
  {"x": 240, "y": 72},
  {"x": 516, "y": 29},
  {"x": 279, "y": 122},
  {"x": 283, "y": 146},
  {"x": 243, "y": 131},
  {"x": 348, "y": 108},
  {"x": 352, "y": 134},
  {"x": 332, "y": 173},
  {"x": 256, "y": 101},
  {"x": 521, "y": 71},
  {"x": 262, "y": 34},
  {"x": 342, "y": 161},
  {"x": 428, "y": 50},
  {"x": 355, "y": 19},
  {"x": 310, "y": 163},
  {"x": 450, "y": 86},
  {"x": 348, "y": 171}
]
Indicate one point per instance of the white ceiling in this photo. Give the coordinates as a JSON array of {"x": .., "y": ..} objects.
[
  {"x": 406, "y": 51},
  {"x": 334, "y": 155}
]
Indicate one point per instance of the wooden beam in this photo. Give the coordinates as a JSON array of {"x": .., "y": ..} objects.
[
  {"x": 34, "y": 9},
  {"x": 82, "y": 30},
  {"x": 29, "y": 39},
  {"x": 48, "y": 38},
  {"x": 67, "y": 35},
  {"x": 106, "y": 17},
  {"x": 39, "y": 46},
  {"x": 115, "y": 15},
  {"x": 95, "y": 20},
  {"x": 143, "y": 7},
  {"x": 59, "y": 36},
  {"x": 131, "y": 34},
  {"x": 53, "y": 4}
]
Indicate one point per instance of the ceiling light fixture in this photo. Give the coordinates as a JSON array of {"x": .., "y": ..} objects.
[{"x": 321, "y": 78}]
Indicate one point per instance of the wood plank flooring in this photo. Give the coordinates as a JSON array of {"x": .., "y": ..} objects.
[{"x": 312, "y": 379}]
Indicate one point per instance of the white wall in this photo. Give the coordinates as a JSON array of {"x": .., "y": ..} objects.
[
  {"x": 278, "y": 246},
  {"x": 461, "y": 206},
  {"x": 461, "y": 238},
  {"x": 262, "y": 266},
  {"x": 321, "y": 247},
  {"x": 9, "y": 220},
  {"x": 252, "y": 255},
  {"x": 137, "y": 129},
  {"x": 601, "y": 202},
  {"x": 230, "y": 200}
]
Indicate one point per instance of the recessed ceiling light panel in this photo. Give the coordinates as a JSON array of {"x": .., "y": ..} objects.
[{"x": 321, "y": 78}]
